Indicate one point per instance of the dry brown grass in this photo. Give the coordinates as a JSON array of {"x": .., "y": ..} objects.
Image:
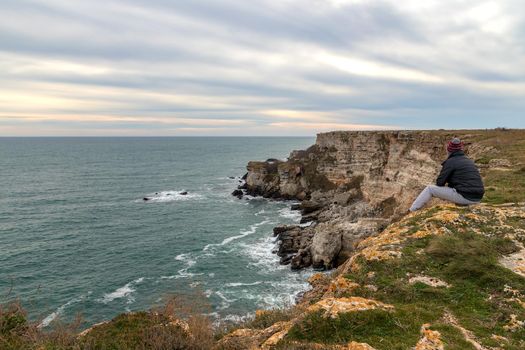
[
  {"x": 178, "y": 324},
  {"x": 16, "y": 332}
]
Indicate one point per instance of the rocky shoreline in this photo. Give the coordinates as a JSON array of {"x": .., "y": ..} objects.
[{"x": 351, "y": 185}]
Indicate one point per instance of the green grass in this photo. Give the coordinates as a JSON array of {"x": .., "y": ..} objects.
[
  {"x": 502, "y": 186},
  {"x": 466, "y": 260}
]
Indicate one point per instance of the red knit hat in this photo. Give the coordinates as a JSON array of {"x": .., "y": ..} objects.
[{"x": 455, "y": 145}]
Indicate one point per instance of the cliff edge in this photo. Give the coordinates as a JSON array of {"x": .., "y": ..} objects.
[{"x": 352, "y": 184}]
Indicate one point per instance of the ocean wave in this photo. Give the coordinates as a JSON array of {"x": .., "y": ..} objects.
[
  {"x": 225, "y": 302},
  {"x": 260, "y": 253},
  {"x": 187, "y": 259},
  {"x": 237, "y": 319},
  {"x": 59, "y": 311},
  {"x": 270, "y": 295},
  {"x": 182, "y": 273},
  {"x": 288, "y": 213},
  {"x": 122, "y": 292},
  {"x": 170, "y": 196},
  {"x": 240, "y": 284},
  {"x": 250, "y": 231}
]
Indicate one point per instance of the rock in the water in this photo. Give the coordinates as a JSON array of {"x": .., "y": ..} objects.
[
  {"x": 285, "y": 260},
  {"x": 183, "y": 193},
  {"x": 238, "y": 193},
  {"x": 295, "y": 206}
]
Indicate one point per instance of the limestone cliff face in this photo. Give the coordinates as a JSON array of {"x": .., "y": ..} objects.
[
  {"x": 351, "y": 184},
  {"x": 382, "y": 165}
]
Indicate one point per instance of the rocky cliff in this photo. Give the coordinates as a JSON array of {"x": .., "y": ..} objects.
[{"x": 352, "y": 184}]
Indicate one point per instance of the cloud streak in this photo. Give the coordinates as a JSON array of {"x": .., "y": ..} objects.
[{"x": 262, "y": 67}]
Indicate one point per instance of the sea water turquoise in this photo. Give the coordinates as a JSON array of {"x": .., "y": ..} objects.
[{"x": 77, "y": 237}]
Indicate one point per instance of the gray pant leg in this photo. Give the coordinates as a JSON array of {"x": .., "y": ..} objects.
[{"x": 442, "y": 192}]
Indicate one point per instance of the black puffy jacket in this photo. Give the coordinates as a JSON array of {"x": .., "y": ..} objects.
[{"x": 462, "y": 174}]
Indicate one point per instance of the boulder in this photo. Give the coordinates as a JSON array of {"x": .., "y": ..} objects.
[
  {"x": 295, "y": 207},
  {"x": 325, "y": 247},
  {"x": 310, "y": 206},
  {"x": 307, "y": 218},
  {"x": 238, "y": 193},
  {"x": 302, "y": 259}
]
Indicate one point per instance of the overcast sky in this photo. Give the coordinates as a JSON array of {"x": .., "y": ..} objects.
[{"x": 259, "y": 67}]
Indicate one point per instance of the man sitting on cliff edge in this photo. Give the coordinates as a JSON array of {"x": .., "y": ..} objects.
[{"x": 465, "y": 186}]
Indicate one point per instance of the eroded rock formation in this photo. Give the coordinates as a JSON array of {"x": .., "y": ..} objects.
[{"x": 351, "y": 185}]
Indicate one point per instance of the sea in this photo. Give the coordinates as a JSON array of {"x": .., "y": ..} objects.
[{"x": 78, "y": 238}]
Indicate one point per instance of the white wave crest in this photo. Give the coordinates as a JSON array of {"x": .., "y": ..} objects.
[
  {"x": 59, "y": 311},
  {"x": 288, "y": 213},
  {"x": 240, "y": 284},
  {"x": 260, "y": 253},
  {"x": 250, "y": 231},
  {"x": 122, "y": 292},
  {"x": 183, "y": 273}
]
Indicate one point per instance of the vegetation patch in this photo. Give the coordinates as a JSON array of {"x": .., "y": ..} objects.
[
  {"x": 465, "y": 257},
  {"x": 504, "y": 186}
]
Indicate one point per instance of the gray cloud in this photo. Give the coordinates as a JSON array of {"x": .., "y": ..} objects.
[{"x": 260, "y": 67}]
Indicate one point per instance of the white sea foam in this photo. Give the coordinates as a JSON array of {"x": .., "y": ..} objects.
[
  {"x": 260, "y": 253},
  {"x": 283, "y": 290},
  {"x": 225, "y": 303},
  {"x": 170, "y": 196},
  {"x": 123, "y": 292},
  {"x": 240, "y": 284},
  {"x": 250, "y": 231},
  {"x": 223, "y": 297},
  {"x": 236, "y": 318},
  {"x": 183, "y": 273},
  {"x": 186, "y": 258},
  {"x": 288, "y": 213},
  {"x": 275, "y": 294},
  {"x": 59, "y": 311},
  {"x": 182, "y": 257},
  {"x": 306, "y": 224}
]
